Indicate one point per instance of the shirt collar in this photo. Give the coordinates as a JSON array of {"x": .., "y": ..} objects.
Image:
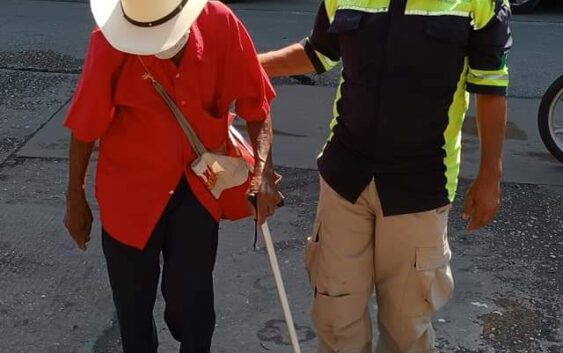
[{"x": 195, "y": 44}]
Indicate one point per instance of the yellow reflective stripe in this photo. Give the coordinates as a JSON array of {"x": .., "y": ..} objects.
[
  {"x": 452, "y": 134},
  {"x": 370, "y": 6},
  {"x": 334, "y": 120},
  {"x": 484, "y": 11},
  {"x": 363, "y": 9},
  {"x": 498, "y": 78},
  {"x": 431, "y": 7},
  {"x": 437, "y": 13},
  {"x": 488, "y": 77},
  {"x": 338, "y": 97},
  {"x": 481, "y": 11},
  {"x": 328, "y": 64},
  {"x": 330, "y": 7}
]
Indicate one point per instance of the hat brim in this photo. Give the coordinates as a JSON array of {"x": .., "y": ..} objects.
[{"x": 128, "y": 38}]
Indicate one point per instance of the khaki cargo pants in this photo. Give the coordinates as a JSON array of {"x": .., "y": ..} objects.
[{"x": 355, "y": 249}]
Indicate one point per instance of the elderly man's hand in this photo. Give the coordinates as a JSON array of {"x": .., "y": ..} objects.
[
  {"x": 78, "y": 219},
  {"x": 263, "y": 186}
]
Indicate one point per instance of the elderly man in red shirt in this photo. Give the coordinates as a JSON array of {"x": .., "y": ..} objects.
[{"x": 151, "y": 202}]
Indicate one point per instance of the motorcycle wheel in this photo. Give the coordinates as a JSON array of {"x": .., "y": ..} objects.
[
  {"x": 523, "y": 6},
  {"x": 550, "y": 119}
]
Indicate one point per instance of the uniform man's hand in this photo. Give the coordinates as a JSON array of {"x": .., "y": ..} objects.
[
  {"x": 78, "y": 219},
  {"x": 482, "y": 202}
]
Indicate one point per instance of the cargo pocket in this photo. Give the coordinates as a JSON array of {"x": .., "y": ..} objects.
[
  {"x": 432, "y": 282},
  {"x": 311, "y": 254}
]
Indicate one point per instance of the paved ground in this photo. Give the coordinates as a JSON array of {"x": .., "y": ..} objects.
[{"x": 54, "y": 299}]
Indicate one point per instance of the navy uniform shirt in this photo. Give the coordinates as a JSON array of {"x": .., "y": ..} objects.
[{"x": 408, "y": 69}]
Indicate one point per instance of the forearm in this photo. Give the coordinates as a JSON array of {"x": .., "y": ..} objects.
[
  {"x": 491, "y": 122},
  {"x": 289, "y": 61},
  {"x": 261, "y": 137},
  {"x": 79, "y": 158}
]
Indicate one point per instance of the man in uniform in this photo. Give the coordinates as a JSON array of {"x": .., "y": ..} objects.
[{"x": 389, "y": 170}]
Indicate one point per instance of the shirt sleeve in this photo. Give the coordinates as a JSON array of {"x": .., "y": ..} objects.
[
  {"x": 92, "y": 107},
  {"x": 322, "y": 47},
  {"x": 489, "y": 45},
  {"x": 249, "y": 85}
]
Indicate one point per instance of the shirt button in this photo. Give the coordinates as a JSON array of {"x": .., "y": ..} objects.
[
  {"x": 177, "y": 75},
  {"x": 183, "y": 102},
  {"x": 171, "y": 192}
]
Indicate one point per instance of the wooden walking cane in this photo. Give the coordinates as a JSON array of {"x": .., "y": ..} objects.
[
  {"x": 279, "y": 281},
  {"x": 248, "y": 153}
]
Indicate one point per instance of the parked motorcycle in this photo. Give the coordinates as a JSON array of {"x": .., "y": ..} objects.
[
  {"x": 550, "y": 119},
  {"x": 524, "y": 6}
]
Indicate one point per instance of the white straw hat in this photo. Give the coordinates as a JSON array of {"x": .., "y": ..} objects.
[{"x": 145, "y": 27}]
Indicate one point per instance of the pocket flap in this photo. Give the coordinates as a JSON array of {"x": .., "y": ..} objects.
[
  {"x": 430, "y": 258},
  {"x": 314, "y": 237},
  {"x": 311, "y": 255},
  {"x": 346, "y": 21},
  {"x": 449, "y": 29}
]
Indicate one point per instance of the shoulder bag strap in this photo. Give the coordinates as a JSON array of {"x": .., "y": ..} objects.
[{"x": 194, "y": 141}]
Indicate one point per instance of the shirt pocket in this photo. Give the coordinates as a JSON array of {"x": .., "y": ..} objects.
[
  {"x": 449, "y": 31},
  {"x": 211, "y": 130},
  {"x": 136, "y": 93},
  {"x": 447, "y": 37},
  {"x": 446, "y": 43},
  {"x": 360, "y": 41}
]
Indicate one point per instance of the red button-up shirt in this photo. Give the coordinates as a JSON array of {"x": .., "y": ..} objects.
[{"x": 143, "y": 152}]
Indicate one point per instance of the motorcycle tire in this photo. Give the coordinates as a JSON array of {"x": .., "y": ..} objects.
[
  {"x": 523, "y": 6},
  {"x": 553, "y": 96}
]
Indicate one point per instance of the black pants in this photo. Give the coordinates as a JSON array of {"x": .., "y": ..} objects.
[{"x": 186, "y": 235}]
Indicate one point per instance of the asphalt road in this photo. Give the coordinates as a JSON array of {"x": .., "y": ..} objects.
[{"x": 509, "y": 295}]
